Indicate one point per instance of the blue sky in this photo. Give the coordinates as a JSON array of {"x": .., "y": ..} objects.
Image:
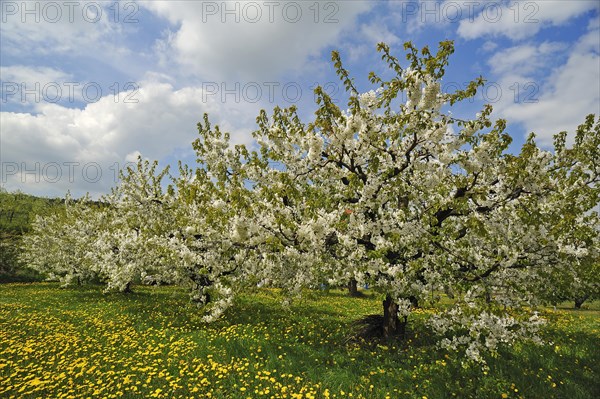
[{"x": 87, "y": 86}]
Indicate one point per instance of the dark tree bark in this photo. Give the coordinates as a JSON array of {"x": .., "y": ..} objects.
[
  {"x": 580, "y": 300},
  {"x": 201, "y": 281},
  {"x": 488, "y": 297},
  {"x": 414, "y": 302},
  {"x": 128, "y": 288},
  {"x": 353, "y": 287},
  {"x": 392, "y": 326}
]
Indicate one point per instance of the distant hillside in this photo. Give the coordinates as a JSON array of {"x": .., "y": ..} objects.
[{"x": 17, "y": 210}]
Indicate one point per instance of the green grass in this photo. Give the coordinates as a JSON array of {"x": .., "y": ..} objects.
[{"x": 79, "y": 343}]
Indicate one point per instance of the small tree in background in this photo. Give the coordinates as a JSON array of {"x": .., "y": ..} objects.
[
  {"x": 575, "y": 173},
  {"x": 60, "y": 245}
]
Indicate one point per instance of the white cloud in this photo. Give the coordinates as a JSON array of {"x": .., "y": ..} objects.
[
  {"x": 208, "y": 42},
  {"x": 93, "y": 33},
  {"x": 54, "y": 27},
  {"x": 27, "y": 85},
  {"x": 489, "y": 46},
  {"x": 23, "y": 73},
  {"x": 563, "y": 99},
  {"x": 133, "y": 156},
  {"x": 521, "y": 19},
  {"x": 524, "y": 59},
  {"x": 106, "y": 133},
  {"x": 377, "y": 32}
]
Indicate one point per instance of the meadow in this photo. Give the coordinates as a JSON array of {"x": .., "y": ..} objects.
[{"x": 81, "y": 343}]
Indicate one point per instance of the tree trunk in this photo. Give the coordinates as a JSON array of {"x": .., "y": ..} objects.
[
  {"x": 580, "y": 300},
  {"x": 392, "y": 326},
  {"x": 127, "y": 289},
  {"x": 353, "y": 287},
  {"x": 414, "y": 302},
  {"x": 488, "y": 297}
]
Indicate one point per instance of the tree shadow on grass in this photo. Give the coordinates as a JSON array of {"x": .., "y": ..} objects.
[{"x": 561, "y": 367}]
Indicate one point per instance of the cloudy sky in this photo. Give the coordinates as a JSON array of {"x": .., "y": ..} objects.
[{"x": 87, "y": 86}]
